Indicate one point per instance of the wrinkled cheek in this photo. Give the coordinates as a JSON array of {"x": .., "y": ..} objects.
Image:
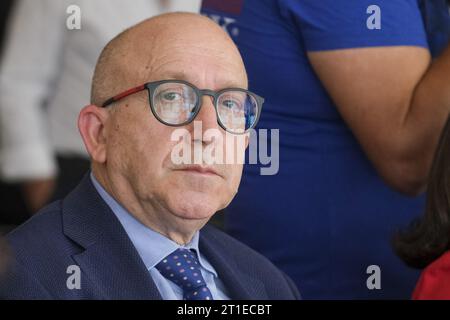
[{"x": 121, "y": 152}]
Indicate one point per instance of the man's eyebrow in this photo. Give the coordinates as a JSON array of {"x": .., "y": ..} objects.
[{"x": 180, "y": 75}]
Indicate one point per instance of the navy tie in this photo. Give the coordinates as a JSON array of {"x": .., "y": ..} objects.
[{"x": 182, "y": 268}]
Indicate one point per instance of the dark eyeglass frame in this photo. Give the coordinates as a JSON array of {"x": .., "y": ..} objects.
[{"x": 151, "y": 88}]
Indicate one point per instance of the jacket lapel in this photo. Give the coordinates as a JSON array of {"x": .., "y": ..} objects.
[
  {"x": 109, "y": 260},
  {"x": 241, "y": 286}
]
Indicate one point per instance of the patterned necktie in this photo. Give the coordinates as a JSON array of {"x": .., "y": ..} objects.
[{"x": 182, "y": 267}]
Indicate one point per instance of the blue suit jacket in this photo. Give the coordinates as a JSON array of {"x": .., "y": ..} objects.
[{"x": 82, "y": 230}]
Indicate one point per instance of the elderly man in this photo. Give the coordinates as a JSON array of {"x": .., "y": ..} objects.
[{"x": 134, "y": 227}]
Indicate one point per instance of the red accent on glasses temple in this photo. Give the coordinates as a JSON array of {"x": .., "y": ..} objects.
[
  {"x": 123, "y": 95},
  {"x": 128, "y": 92}
]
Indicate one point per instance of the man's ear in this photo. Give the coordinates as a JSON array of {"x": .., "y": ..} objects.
[{"x": 91, "y": 123}]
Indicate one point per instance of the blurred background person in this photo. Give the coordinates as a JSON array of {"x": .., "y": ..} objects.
[
  {"x": 427, "y": 243},
  {"x": 360, "y": 106},
  {"x": 4, "y": 13},
  {"x": 43, "y": 77},
  {"x": 10, "y": 195}
]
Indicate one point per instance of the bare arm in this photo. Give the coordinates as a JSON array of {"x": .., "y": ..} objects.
[{"x": 396, "y": 103}]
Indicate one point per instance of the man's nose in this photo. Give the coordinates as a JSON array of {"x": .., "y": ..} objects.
[{"x": 207, "y": 114}]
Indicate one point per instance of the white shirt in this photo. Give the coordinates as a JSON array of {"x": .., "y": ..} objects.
[{"x": 46, "y": 64}]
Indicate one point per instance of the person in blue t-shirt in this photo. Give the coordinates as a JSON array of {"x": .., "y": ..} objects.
[{"x": 360, "y": 106}]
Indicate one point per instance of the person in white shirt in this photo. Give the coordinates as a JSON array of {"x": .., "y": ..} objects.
[{"x": 44, "y": 74}]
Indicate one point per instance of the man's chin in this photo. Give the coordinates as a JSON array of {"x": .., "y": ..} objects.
[
  {"x": 194, "y": 214},
  {"x": 195, "y": 209}
]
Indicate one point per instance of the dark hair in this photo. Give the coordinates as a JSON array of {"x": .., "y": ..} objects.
[{"x": 429, "y": 236}]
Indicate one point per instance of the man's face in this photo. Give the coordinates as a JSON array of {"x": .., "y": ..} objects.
[{"x": 139, "y": 147}]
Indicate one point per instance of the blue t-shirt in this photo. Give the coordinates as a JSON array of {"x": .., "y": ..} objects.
[{"x": 327, "y": 215}]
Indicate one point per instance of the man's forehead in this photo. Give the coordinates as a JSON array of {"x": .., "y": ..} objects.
[
  {"x": 214, "y": 64},
  {"x": 217, "y": 80}
]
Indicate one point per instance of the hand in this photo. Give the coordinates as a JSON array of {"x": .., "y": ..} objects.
[{"x": 37, "y": 193}]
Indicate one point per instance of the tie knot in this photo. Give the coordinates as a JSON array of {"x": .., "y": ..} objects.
[{"x": 182, "y": 267}]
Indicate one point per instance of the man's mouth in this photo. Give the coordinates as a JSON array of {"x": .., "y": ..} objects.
[{"x": 198, "y": 169}]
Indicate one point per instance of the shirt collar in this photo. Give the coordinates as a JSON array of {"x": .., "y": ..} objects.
[{"x": 151, "y": 245}]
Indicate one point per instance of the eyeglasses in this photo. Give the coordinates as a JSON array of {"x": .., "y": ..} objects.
[{"x": 177, "y": 103}]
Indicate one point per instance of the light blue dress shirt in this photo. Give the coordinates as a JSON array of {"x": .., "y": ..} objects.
[{"x": 154, "y": 247}]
